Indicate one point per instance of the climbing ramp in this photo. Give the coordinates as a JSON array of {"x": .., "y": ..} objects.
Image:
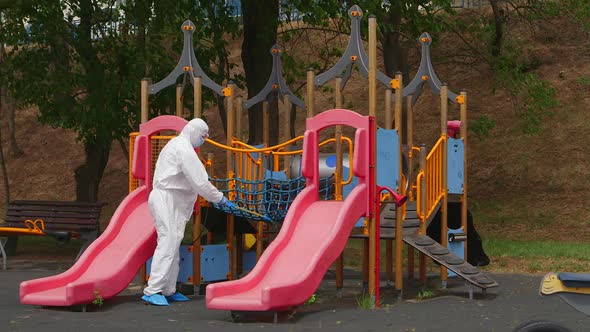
[{"x": 430, "y": 247}]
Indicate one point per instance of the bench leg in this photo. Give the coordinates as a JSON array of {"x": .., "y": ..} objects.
[
  {"x": 10, "y": 245},
  {"x": 2, "y": 243}
]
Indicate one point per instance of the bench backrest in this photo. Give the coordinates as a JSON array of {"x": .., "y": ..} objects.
[{"x": 56, "y": 215}]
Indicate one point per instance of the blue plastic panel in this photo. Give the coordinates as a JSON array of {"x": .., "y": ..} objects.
[
  {"x": 249, "y": 260},
  {"x": 455, "y": 165},
  {"x": 186, "y": 264},
  {"x": 388, "y": 155},
  {"x": 388, "y": 158},
  {"x": 456, "y": 247},
  {"x": 214, "y": 262}
]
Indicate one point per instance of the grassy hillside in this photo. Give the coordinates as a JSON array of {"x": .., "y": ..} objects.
[{"x": 521, "y": 187}]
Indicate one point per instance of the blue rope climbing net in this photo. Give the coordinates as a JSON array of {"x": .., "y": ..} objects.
[{"x": 269, "y": 197}]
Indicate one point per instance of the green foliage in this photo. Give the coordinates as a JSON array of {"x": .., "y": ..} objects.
[
  {"x": 536, "y": 249},
  {"x": 313, "y": 299},
  {"x": 98, "y": 300},
  {"x": 365, "y": 301},
  {"x": 584, "y": 81},
  {"x": 482, "y": 127},
  {"x": 533, "y": 97},
  {"x": 85, "y": 76},
  {"x": 539, "y": 98},
  {"x": 424, "y": 294}
]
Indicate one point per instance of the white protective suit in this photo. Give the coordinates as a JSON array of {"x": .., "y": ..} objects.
[{"x": 178, "y": 178}]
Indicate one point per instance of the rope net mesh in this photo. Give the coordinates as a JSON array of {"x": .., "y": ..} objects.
[{"x": 268, "y": 197}]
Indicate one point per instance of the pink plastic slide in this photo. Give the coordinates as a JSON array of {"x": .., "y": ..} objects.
[
  {"x": 313, "y": 234},
  {"x": 110, "y": 263},
  {"x": 107, "y": 266}
]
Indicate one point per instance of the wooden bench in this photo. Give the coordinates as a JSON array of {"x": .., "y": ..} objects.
[{"x": 79, "y": 219}]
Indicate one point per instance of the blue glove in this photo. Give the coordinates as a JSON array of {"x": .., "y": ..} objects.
[{"x": 225, "y": 203}]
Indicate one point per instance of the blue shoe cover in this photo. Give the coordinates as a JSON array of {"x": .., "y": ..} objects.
[
  {"x": 177, "y": 297},
  {"x": 156, "y": 299}
]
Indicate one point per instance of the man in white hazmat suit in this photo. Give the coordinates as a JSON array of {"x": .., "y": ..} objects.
[{"x": 178, "y": 178}]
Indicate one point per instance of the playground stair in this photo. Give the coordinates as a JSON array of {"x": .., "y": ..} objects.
[{"x": 430, "y": 247}]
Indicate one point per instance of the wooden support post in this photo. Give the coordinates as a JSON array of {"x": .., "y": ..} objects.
[
  {"x": 145, "y": 100},
  {"x": 265, "y": 123},
  {"x": 389, "y": 260},
  {"x": 145, "y": 113},
  {"x": 422, "y": 208},
  {"x": 410, "y": 174},
  {"x": 463, "y": 110},
  {"x": 310, "y": 93},
  {"x": 444, "y": 221},
  {"x": 373, "y": 222},
  {"x": 287, "y": 158},
  {"x": 388, "y": 110},
  {"x": 365, "y": 262},
  {"x": 388, "y": 242},
  {"x": 240, "y": 118},
  {"x": 210, "y": 172},
  {"x": 239, "y": 255},
  {"x": 179, "y": 101},
  {"x": 339, "y": 264},
  {"x": 410, "y": 142},
  {"x": 399, "y": 282},
  {"x": 230, "y": 217},
  {"x": 197, "y": 218},
  {"x": 197, "y": 97}
]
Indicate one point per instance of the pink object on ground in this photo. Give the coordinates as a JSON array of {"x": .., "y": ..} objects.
[
  {"x": 313, "y": 234},
  {"x": 112, "y": 260},
  {"x": 107, "y": 266}
]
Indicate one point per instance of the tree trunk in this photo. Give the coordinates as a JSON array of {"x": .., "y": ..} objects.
[
  {"x": 9, "y": 106},
  {"x": 395, "y": 54},
  {"x": 260, "y": 19},
  {"x": 97, "y": 148},
  {"x": 499, "y": 28},
  {"x": 88, "y": 175},
  {"x": 4, "y": 172},
  {"x": 124, "y": 148}
]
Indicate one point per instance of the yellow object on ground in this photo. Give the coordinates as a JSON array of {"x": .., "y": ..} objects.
[{"x": 551, "y": 285}]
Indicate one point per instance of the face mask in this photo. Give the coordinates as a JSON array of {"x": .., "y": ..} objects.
[{"x": 198, "y": 132}]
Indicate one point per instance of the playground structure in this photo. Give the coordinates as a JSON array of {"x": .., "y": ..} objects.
[{"x": 254, "y": 172}]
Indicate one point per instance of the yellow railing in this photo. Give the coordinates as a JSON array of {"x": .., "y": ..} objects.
[
  {"x": 419, "y": 179},
  {"x": 433, "y": 177},
  {"x": 249, "y": 168}
]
